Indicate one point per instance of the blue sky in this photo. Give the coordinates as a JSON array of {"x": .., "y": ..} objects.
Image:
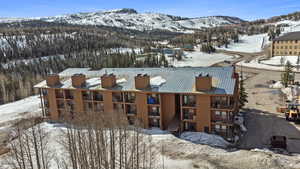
[{"x": 245, "y": 9}]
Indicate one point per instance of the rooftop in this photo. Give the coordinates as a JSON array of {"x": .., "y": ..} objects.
[
  {"x": 289, "y": 36},
  {"x": 165, "y": 80}
]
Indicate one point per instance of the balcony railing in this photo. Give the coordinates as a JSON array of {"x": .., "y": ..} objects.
[
  {"x": 189, "y": 100},
  {"x": 222, "y": 105},
  {"x": 87, "y": 96},
  {"x": 153, "y": 111},
  {"x": 129, "y": 97},
  {"x": 117, "y": 97},
  {"x": 226, "y": 119},
  {"x": 131, "y": 109},
  {"x": 189, "y": 116}
]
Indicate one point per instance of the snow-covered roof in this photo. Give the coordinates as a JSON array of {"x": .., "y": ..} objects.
[
  {"x": 289, "y": 36},
  {"x": 165, "y": 80}
]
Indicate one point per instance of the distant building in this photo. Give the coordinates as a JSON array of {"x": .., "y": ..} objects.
[
  {"x": 286, "y": 45},
  {"x": 173, "y": 99}
]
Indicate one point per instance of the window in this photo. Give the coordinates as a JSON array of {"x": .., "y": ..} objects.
[
  {"x": 99, "y": 107},
  {"x": 188, "y": 126},
  {"x": 130, "y": 97},
  {"x": 98, "y": 96},
  {"x": 117, "y": 97},
  {"x": 154, "y": 122},
  {"x": 118, "y": 108},
  {"x": 87, "y": 95},
  {"x": 88, "y": 106},
  {"x": 189, "y": 114},
  {"x": 69, "y": 94},
  {"x": 189, "y": 100},
  {"x": 70, "y": 105},
  {"x": 217, "y": 113},
  {"x": 154, "y": 111},
  {"x": 60, "y": 104},
  {"x": 130, "y": 109},
  {"x": 59, "y": 93},
  {"x": 153, "y": 99}
]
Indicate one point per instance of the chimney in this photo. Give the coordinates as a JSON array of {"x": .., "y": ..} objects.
[
  {"x": 142, "y": 81},
  {"x": 203, "y": 82},
  {"x": 108, "y": 81},
  {"x": 78, "y": 80},
  {"x": 52, "y": 80}
]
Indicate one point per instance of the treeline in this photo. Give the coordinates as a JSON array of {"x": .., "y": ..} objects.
[{"x": 28, "y": 55}]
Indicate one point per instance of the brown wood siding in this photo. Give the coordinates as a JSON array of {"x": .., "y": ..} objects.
[{"x": 167, "y": 109}]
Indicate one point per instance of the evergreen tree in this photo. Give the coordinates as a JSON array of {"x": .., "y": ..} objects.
[
  {"x": 287, "y": 76},
  {"x": 243, "y": 98}
]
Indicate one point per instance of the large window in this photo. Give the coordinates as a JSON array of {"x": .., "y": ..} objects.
[
  {"x": 69, "y": 94},
  {"x": 189, "y": 100}
]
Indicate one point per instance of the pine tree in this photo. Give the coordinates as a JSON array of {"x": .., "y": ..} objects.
[
  {"x": 287, "y": 76},
  {"x": 243, "y": 98}
]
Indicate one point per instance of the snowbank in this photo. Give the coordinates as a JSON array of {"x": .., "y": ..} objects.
[
  {"x": 157, "y": 81},
  {"x": 280, "y": 60},
  {"x": 291, "y": 92},
  {"x": 200, "y": 59},
  {"x": 25, "y": 108},
  {"x": 259, "y": 65},
  {"x": 204, "y": 138},
  {"x": 248, "y": 44},
  {"x": 276, "y": 85}
]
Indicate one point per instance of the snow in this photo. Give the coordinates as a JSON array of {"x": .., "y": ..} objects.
[
  {"x": 249, "y": 44},
  {"x": 276, "y": 60},
  {"x": 291, "y": 92},
  {"x": 200, "y": 59},
  {"x": 276, "y": 85},
  {"x": 204, "y": 138},
  {"x": 25, "y": 108},
  {"x": 157, "y": 81}
]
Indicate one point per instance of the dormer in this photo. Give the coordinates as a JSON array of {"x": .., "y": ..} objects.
[
  {"x": 203, "y": 82},
  {"x": 52, "y": 80},
  {"x": 142, "y": 81},
  {"x": 108, "y": 80},
  {"x": 78, "y": 80}
]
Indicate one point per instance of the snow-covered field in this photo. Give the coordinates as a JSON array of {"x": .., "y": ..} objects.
[
  {"x": 249, "y": 44},
  {"x": 25, "y": 108},
  {"x": 274, "y": 63},
  {"x": 200, "y": 59}
]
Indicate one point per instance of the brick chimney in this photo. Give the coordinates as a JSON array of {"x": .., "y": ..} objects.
[
  {"x": 142, "y": 81},
  {"x": 108, "y": 81},
  {"x": 78, "y": 80},
  {"x": 203, "y": 82},
  {"x": 52, "y": 80}
]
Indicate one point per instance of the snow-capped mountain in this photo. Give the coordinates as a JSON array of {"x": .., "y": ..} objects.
[{"x": 131, "y": 19}]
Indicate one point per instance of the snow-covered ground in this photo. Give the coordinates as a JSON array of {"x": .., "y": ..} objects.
[
  {"x": 293, "y": 26},
  {"x": 249, "y": 44},
  {"x": 273, "y": 63},
  {"x": 25, "y": 108},
  {"x": 181, "y": 154},
  {"x": 200, "y": 59}
]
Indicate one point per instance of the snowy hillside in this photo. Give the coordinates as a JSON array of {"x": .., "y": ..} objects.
[{"x": 131, "y": 19}]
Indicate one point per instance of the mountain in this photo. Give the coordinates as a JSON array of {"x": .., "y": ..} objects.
[{"x": 131, "y": 19}]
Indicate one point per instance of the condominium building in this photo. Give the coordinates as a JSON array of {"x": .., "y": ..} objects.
[
  {"x": 174, "y": 99},
  {"x": 286, "y": 45}
]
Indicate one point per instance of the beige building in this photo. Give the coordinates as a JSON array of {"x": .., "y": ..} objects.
[
  {"x": 174, "y": 99},
  {"x": 286, "y": 45}
]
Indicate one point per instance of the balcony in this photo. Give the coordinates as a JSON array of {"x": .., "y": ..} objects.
[
  {"x": 131, "y": 109},
  {"x": 118, "y": 108},
  {"x": 98, "y": 96},
  {"x": 189, "y": 100},
  {"x": 87, "y": 95},
  {"x": 117, "y": 97},
  {"x": 88, "y": 107},
  {"x": 222, "y": 102},
  {"x": 60, "y": 104},
  {"x": 154, "y": 111},
  {"x": 99, "y": 107},
  {"x": 154, "y": 123},
  {"x": 69, "y": 94},
  {"x": 153, "y": 99},
  {"x": 189, "y": 114},
  {"x": 70, "y": 106},
  {"x": 189, "y": 126},
  {"x": 59, "y": 94},
  {"x": 129, "y": 97}
]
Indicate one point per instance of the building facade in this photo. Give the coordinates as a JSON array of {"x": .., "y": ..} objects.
[
  {"x": 286, "y": 45},
  {"x": 174, "y": 99}
]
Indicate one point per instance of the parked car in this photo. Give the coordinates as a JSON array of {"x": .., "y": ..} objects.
[{"x": 278, "y": 142}]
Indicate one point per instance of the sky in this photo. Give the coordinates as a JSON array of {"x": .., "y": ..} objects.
[{"x": 245, "y": 9}]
